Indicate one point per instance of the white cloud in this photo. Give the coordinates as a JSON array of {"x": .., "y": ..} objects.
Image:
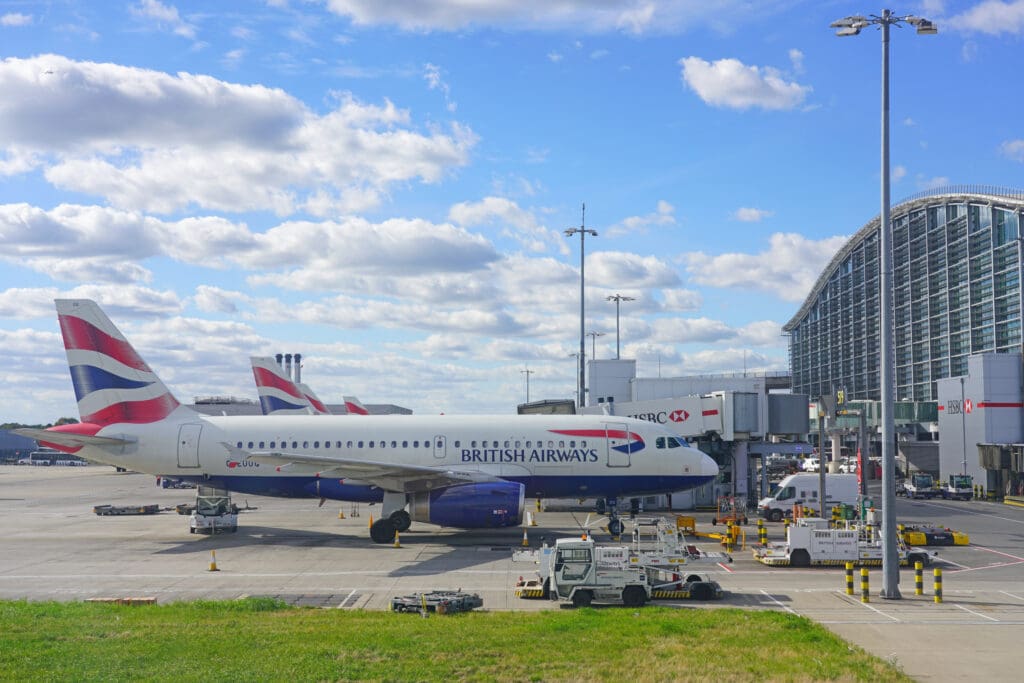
[
  {"x": 599, "y": 54},
  {"x": 216, "y": 300},
  {"x": 787, "y": 269},
  {"x": 663, "y": 215},
  {"x": 898, "y": 173},
  {"x": 150, "y": 141},
  {"x": 555, "y": 57},
  {"x": 796, "y": 58},
  {"x": 432, "y": 75},
  {"x": 992, "y": 17},
  {"x": 15, "y": 19},
  {"x": 515, "y": 222},
  {"x": 1013, "y": 149},
  {"x": 732, "y": 84},
  {"x": 628, "y": 16},
  {"x": 163, "y": 15},
  {"x": 615, "y": 269},
  {"x": 678, "y": 300},
  {"x": 932, "y": 183},
  {"x": 751, "y": 215},
  {"x": 909, "y": 122}
]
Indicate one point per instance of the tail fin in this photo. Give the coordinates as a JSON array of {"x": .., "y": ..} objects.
[
  {"x": 278, "y": 394},
  {"x": 354, "y": 406},
  {"x": 315, "y": 403},
  {"x": 112, "y": 383}
]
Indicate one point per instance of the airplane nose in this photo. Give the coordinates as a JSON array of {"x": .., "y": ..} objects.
[{"x": 708, "y": 467}]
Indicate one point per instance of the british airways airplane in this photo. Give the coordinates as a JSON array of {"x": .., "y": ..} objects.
[
  {"x": 279, "y": 395},
  {"x": 457, "y": 471}
]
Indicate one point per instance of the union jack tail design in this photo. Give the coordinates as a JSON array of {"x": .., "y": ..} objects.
[
  {"x": 315, "y": 403},
  {"x": 354, "y": 407},
  {"x": 279, "y": 395},
  {"x": 113, "y": 384}
]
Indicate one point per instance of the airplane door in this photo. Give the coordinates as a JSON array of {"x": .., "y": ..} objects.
[
  {"x": 619, "y": 442},
  {"x": 188, "y": 445},
  {"x": 440, "y": 447}
]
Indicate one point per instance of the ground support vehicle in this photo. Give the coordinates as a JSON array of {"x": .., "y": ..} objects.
[
  {"x": 105, "y": 510},
  {"x": 959, "y": 487},
  {"x": 731, "y": 509},
  {"x": 803, "y": 489},
  {"x": 441, "y": 602},
  {"x": 920, "y": 485},
  {"x": 214, "y": 513},
  {"x": 918, "y": 534},
  {"x": 579, "y": 571},
  {"x": 811, "y": 542}
]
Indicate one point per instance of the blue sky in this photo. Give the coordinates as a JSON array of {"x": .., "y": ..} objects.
[{"x": 384, "y": 187}]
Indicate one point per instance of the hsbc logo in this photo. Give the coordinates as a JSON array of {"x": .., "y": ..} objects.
[{"x": 663, "y": 416}]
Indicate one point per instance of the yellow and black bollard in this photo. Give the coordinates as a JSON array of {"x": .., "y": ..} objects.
[
  {"x": 762, "y": 533},
  {"x": 785, "y": 527},
  {"x": 865, "y": 590},
  {"x": 849, "y": 578},
  {"x": 938, "y": 584},
  {"x": 918, "y": 579}
]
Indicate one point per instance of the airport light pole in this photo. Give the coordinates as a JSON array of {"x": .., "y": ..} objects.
[
  {"x": 582, "y": 231},
  {"x": 527, "y": 372},
  {"x": 618, "y": 299},
  {"x": 593, "y": 343},
  {"x": 851, "y": 26},
  {"x": 576, "y": 355}
]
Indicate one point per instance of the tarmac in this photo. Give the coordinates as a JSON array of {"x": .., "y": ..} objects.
[{"x": 55, "y": 548}]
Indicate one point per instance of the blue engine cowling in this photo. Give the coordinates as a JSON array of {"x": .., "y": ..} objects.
[{"x": 471, "y": 506}]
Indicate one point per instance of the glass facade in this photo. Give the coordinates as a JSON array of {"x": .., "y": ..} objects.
[{"x": 956, "y": 291}]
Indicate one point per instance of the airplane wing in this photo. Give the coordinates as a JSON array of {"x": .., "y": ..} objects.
[
  {"x": 68, "y": 439},
  {"x": 386, "y": 475}
]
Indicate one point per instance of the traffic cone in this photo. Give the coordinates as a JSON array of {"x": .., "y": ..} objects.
[
  {"x": 533, "y": 518},
  {"x": 341, "y": 514},
  {"x": 398, "y": 543},
  {"x": 371, "y": 521},
  {"x": 526, "y": 541},
  {"x": 213, "y": 561}
]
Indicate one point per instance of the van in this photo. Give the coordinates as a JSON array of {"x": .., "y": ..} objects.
[{"x": 802, "y": 489}]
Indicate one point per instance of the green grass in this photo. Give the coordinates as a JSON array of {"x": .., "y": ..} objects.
[{"x": 262, "y": 640}]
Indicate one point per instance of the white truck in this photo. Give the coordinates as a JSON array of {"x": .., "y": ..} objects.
[
  {"x": 214, "y": 512},
  {"x": 802, "y": 489},
  {"x": 920, "y": 485},
  {"x": 959, "y": 487},
  {"x": 812, "y": 542}
]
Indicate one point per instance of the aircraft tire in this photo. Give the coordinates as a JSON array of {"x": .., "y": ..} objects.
[
  {"x": 402, "y": 520},
  {"x": 616, "y": 527},
  {"x": 383, "y": 531}
]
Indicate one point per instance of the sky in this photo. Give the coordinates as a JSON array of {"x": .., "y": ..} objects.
[{"x": 385, "y": 187}]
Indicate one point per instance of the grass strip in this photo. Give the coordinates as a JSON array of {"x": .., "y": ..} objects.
[{"x": 265, "y": 640}]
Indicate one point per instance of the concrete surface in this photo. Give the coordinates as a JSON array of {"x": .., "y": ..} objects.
[{"x": 55, "y": 548}]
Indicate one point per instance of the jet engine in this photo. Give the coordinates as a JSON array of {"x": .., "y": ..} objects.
[{"x": 470, "y": 506}]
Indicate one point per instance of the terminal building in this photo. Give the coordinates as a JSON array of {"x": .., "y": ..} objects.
[{"x": 957, "y": 297}]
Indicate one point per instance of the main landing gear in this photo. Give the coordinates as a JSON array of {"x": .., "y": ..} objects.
[{"x": 395, "y": 518}]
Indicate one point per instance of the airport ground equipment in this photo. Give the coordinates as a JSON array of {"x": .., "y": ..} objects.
[
  {"x": 920, "y": 485},
  {"x": 439, "y": 601},
  {"x": 812, "y": 542},
  {"x": 658, "y": 564},
  {"x": 803, "y": 490},
  {"x": 108, "y": 510},
  {"x": 958, "y": 487},
  {"x": 214, "y": 512},
  {"x": 731, "y": 509},
  {"x": 920, "y": 534}
]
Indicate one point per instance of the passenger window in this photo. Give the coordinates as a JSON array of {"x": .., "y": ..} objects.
[
  {"x": 561, "y": 444},
  {"x": 273, "y": 444},
  {"x": 316, "y": 444},
  {"x": 371, "y": 444},
  {"x": 295, "y": 444},
  {"x": 583, "y": 444},
  {"x": 405, "y": 444},
  {"x": 572, "y": 444},
  {"x": 261, "y": 445},
  {"x": 239, "y": 444},
  {"x": 416, "y": 444},
  {"x": 528, "y": 444},
  {"x": 250, "y": 444},
  {"x": 472, "y": 444},
  {"x": 360, "y": 444},
  {"x": 394, "y": 444},
  {"x": 659, "y": 442},
  {"x": 305, "y": 444}
]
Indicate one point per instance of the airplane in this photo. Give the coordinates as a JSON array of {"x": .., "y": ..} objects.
[
  {"x": 279, "y": 395},
  {"x": 468, "y": 471}
]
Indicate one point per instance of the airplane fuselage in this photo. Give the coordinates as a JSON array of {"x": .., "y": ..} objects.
[{"x": 552, "y": 456}]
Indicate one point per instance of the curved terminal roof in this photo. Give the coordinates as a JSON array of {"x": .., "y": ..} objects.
[{"x": 974, "y": 194}]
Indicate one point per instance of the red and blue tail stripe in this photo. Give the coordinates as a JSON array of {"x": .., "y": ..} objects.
[{"x": 112, "y": 383}]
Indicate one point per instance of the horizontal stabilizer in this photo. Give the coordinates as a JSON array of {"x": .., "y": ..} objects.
[{"x": 69, "y": 439}]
